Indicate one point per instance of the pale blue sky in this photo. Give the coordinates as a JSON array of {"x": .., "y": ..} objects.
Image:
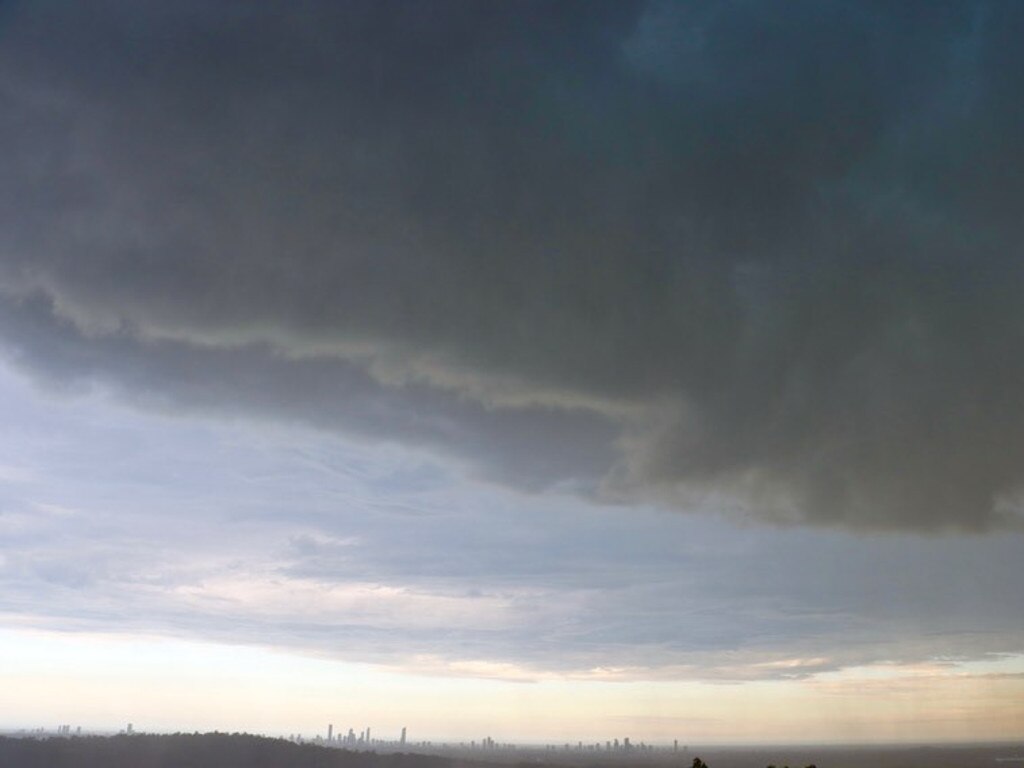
[{"x": 183, "y": 548}]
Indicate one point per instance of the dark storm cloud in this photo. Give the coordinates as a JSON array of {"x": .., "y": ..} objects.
[
  {"x": 763, "y": 253},
  {"x": 326, "y": 393}
]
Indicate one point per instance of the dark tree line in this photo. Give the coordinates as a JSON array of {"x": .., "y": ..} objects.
[
  {"x": 207, "y": 750},
  {"x": 698, "y": 763}
]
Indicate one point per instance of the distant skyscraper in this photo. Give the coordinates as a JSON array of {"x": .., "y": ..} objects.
[
  {"x": 402, "y": 741},
  {"x": 330, "y": 732}
]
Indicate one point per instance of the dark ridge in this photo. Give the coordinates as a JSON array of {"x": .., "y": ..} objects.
[{"x": 195, "y": 750}]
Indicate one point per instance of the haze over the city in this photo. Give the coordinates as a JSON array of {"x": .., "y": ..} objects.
[{"x": 543, "y": 371}]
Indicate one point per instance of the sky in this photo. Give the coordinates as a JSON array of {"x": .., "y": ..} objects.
[{"x": 540, "y": 370}]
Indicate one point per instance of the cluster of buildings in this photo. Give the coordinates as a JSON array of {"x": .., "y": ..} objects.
[
  {"x": 350, "y": 740},
  {"x": 614, "y": 746},
  {"x": 365, "y": 741}
]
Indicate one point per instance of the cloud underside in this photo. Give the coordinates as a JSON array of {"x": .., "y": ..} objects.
[
  {"x": 713, "y": 255},
  {"x": 690, "y": 613}
]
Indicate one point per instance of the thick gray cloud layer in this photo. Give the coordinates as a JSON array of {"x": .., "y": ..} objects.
[
  {"x": 120, "y": 520},
  {"x": 764, "y": 255}
]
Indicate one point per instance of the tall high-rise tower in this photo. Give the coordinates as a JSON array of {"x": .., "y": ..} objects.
[
  {"x": 330, "y": 731},
  {"x": 403, "y": 736}
]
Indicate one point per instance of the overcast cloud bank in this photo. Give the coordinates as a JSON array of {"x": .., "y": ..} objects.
[{"x": 765, "y": 257}]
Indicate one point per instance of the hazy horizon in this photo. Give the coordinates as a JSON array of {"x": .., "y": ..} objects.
[
  {"x": 224, "y": 749},
  {"x": 569, "y": 748},
  {"x": 538, "y": 370}
]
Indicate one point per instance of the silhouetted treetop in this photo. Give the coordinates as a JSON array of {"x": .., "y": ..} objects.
[{"x": 207, "y": 750}]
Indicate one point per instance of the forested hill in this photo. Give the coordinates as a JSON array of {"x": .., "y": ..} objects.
[{"x": 207, "y": 750}]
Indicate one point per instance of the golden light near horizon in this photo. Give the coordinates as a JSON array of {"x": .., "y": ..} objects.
[{"x": 164, "y": 685}]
